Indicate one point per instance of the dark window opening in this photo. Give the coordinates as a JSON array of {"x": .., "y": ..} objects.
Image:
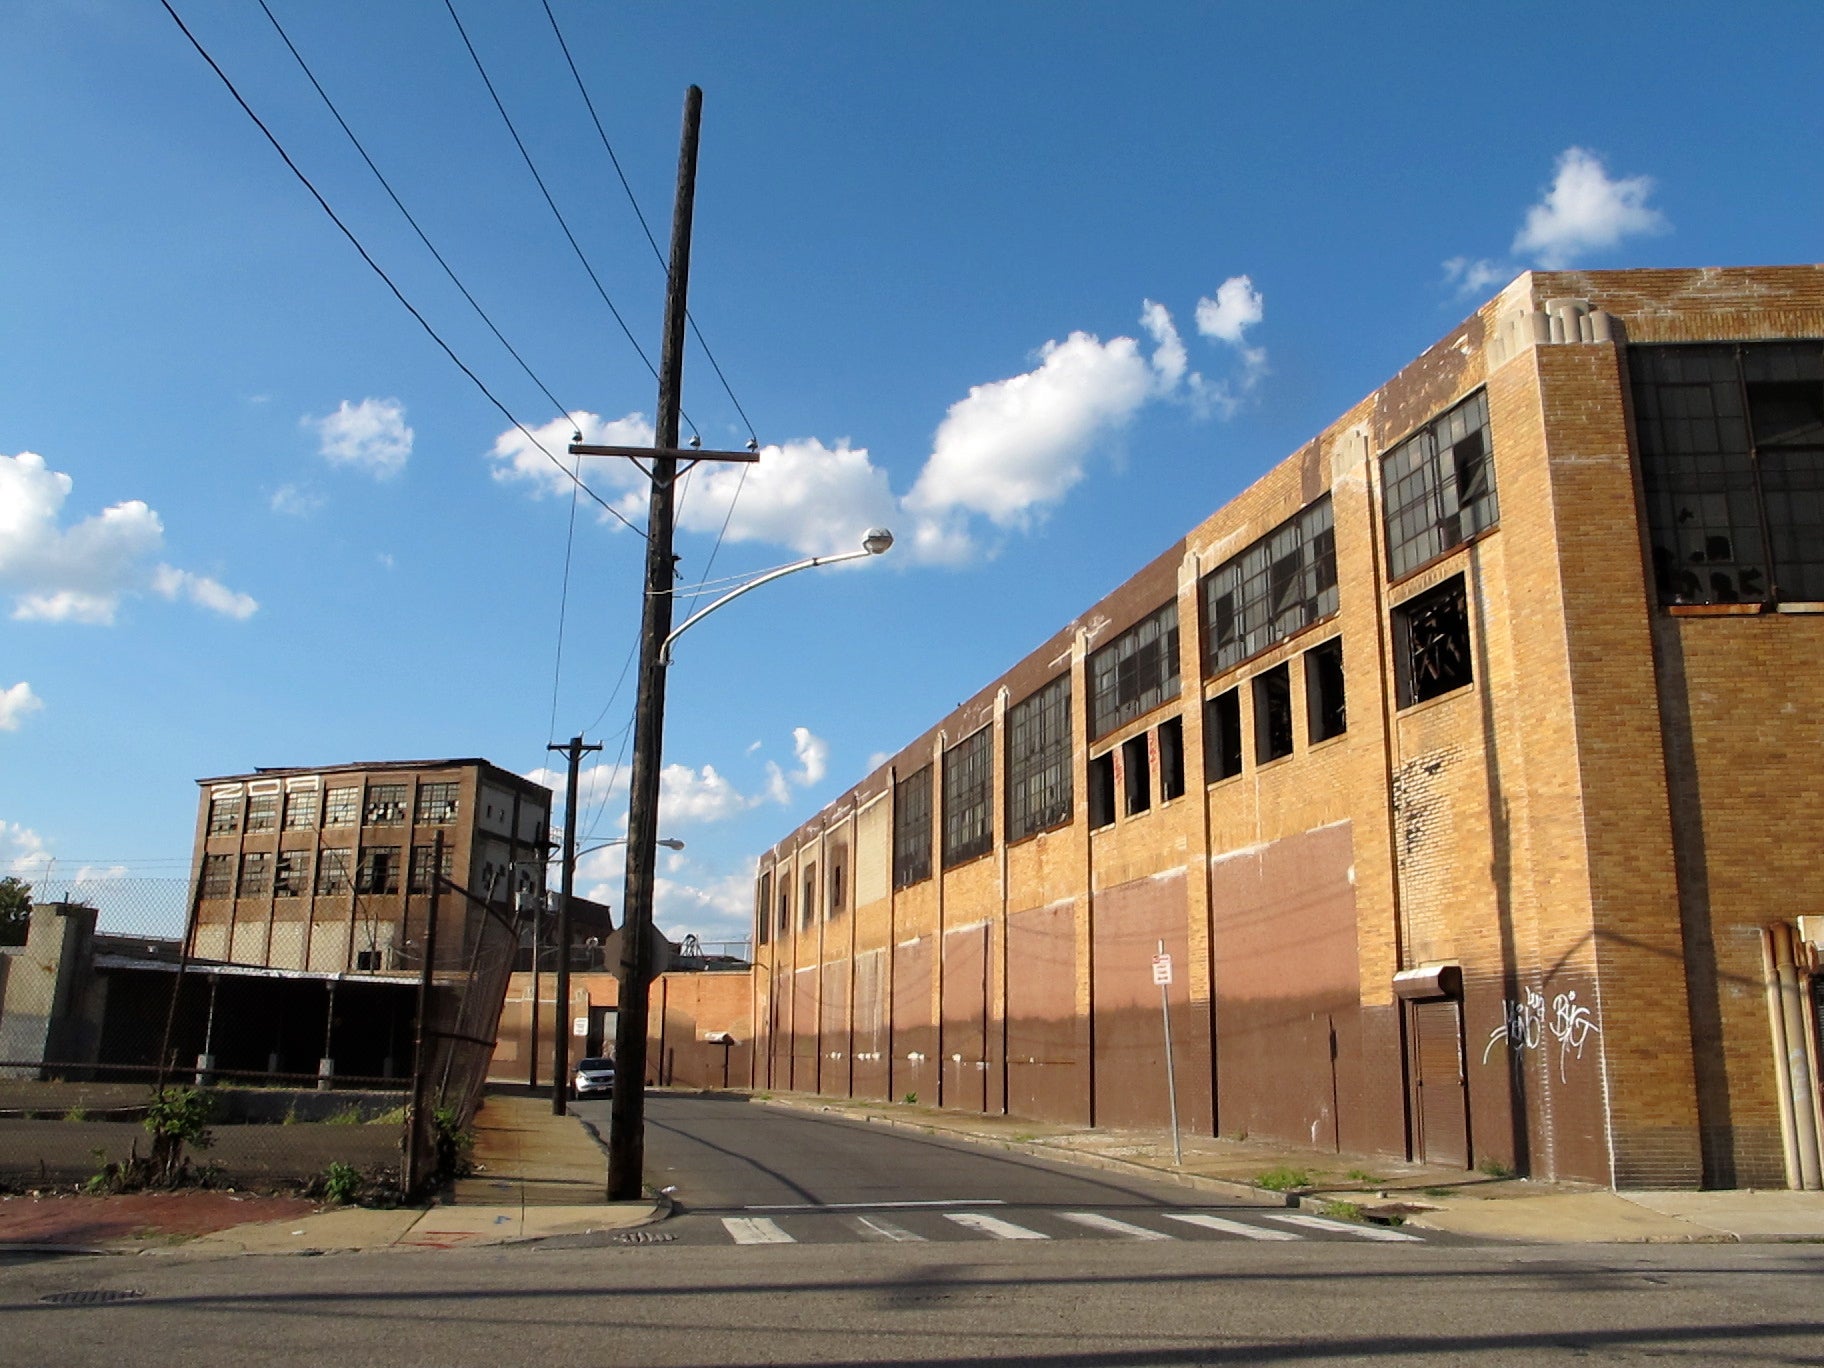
[
  {"x": 1038, "y": 760},
  {"x": 807, "y": 906},
  {"x": 837, "y": 906},
  {"x": 1327, "y": 716},
  {"x": 1439, "y": 487},
  {"x": 1136, "y": 775},
  {"x": 1432, "y": 637},
  {"x": 1222, "y": 735},
  {"x": 378, "y": 871},
  {"x": 1272, "y": 714},
  {"x": 969, "y": 798},
  {"x": 763, "y": 909},
  {"x": 785, "y": 906},
  {"x": 912, "y": 829},
  {"x": 369, "y": 961},
  {"x": 1102, "y": 790},
  {"x": 1171, "y": 759},
  {"x": 1134, "y": 673}
]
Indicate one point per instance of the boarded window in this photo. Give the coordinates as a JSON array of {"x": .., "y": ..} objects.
[
  {"x": 1038, "y": 760},
  {"x": 1276, "y": 587},
  {"x": 912, "y": 829},
  {"x": 1134, "y": 673},
  {"x": 1439, "y": 487},
  {"x": 969, "y": 798}
]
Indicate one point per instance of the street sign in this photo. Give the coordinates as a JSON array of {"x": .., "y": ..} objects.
[
  {"x": 579, "y": 1026},
  {"x": 1162, "y": 970}
]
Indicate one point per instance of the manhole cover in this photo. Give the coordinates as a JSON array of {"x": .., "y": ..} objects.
[
  {"x": 92, "y": 1297},
  {"x": 646, "y": 1237}
]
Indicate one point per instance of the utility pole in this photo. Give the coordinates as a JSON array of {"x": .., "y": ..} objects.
[{"x": 560, "y": 1061}]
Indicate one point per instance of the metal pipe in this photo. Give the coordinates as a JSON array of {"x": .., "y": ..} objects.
[
  {"x": 1797, "y": 1061},
  {"x": 1782, "y": 1080}
]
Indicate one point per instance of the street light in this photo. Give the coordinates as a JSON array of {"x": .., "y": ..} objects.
[
  {"x": 668, "y": 842},
  {"x": 874, "y": 542}
]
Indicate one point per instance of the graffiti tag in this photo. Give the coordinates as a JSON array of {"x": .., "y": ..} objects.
[{"x": 1526, "y": 1025}]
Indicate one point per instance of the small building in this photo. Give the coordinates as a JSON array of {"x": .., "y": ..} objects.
[{"x": 1456, "y": 785}]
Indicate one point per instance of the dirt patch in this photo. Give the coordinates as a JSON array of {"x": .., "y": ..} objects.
[{"x": 140, "y": 1216}]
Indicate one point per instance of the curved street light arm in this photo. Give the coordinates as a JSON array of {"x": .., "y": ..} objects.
[{"x": 767, "y": 578}]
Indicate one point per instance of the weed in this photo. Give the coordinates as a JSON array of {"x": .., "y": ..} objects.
[
  {"x": 395, "y": 1117},
  {"x": 1283, "y": 1179},
  {"x": 291, "y": 1117},
  {"x": 455, "y": 1143},
  {"x": 1241, "y": 1136},
  {"x": 178, "y": 1119},
  {"x": 1342, "y": 1211},
  {"x": 1494, "y": 1168},
  {"x": 76, "y": 1114},
  {"x": 1439, "y": 1191},
  {"x": 348, "y": 1116},
  {"x": 341, "y": 1183},
  {"x": 1362, "y": 1176},
  {"x": 911, "y": 1099}
]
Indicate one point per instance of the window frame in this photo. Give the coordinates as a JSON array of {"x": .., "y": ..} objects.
[
  {"x": 1424, "y": 514},
  {"x": 1410, "y": 690},
  {"x": 1224, "y": 754},
  {"x": 1324, "y": 676},
  {"x": 1039, "y": 789},
  {"x": 912, "y": 799},
  {"x": 969, "y": 798},
  {"x": 1135, "y": 673},
  {"x": 1275, "y": 736},
  {"x": 1273, "y": 589}
]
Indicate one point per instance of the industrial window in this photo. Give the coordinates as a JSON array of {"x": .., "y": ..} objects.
[
  {"x": 1102, "y": 789},
  {"x": 1038, "y": 760},
  {"x": 807, "y": 906},
  {"x": 1325, "y": 713},
  {"x": 218, "y": 876},
  {"x": 1222, "y": 735},
  {"x": 785, "y": 905},
  {"x": 385, "y": 805},
  {"x": 379, "y": 870},
  {"x": 436, "y": 803},
  {"x": 301, "y": 810},
  {"x": 333, "y": 872},
  {"x": 912, "y": 829},
  {"x": 291, "y": 876},
  {"x": 1171, "y": 759},
  {"x": 424, "y": 859},
  {"x": 225, "y": 814},
  {"x": 1272, "y": 714},
  {"x": 1278, "y": 586},
  {"x": 836, "y": 906},
  {"x": 1135, "y": 672},
  {"x": 256, "y": 874},
  {"x": 1431, "y": 637},
  {"x": 968, "y": 798},
  {"x": 340, "y": 807},
  {"x": 262, "y": 811},
  {"x": 763, "y": 909},
  {"x": 1136, "y": 775},
  {"x": 1439, "y": 486},
  {"x": 1732, "y": 460}
]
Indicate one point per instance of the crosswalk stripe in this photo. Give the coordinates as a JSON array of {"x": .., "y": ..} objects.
[
  {"x": 993, "y": 1226},
  {"x": 1360, "y": 1232},
  {"x": 1096, "y": 1221},
  {"x": 874, "y": 1228},
  {"x": 1247, "y": 1232},
  {"x": 755, "y": 1230}
]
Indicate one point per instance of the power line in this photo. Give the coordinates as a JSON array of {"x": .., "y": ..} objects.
[{"x": 375, "y": 266}]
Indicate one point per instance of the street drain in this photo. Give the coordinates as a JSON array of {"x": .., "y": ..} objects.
[
  {"x": 92, "y": 1297},
  {"x": 645, "y": 1237}
]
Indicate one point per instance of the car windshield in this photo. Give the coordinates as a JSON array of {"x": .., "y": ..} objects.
[{"x": 596, "y": 1064}]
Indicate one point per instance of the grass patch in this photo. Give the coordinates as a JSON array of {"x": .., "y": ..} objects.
[
  {"x": 395, "y": 1117},
  {"x": 348, "y": 1116},
  {"x": 1494, "y": 1168},
  {"x": 1341, "y": 1211},
  {"x": 1362, "y": 1176},
  {"x": 1439, "y": 1192},
  {"x": 76, "y": 1114},
  {"x": 1283, "y": 1179}
]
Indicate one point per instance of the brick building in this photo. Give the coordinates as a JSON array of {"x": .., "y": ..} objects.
[
  {"x": 330, "y": 870},
  {"x": 1467, "y": 766}
]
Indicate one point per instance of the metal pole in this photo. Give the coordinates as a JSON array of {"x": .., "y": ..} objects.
[
  {"x": 1171, "y": 1074},
  {"x": 416, "y": 1120},
  {"x": 560, "y": 1061},
  {"x": 627, "y": 1125}
]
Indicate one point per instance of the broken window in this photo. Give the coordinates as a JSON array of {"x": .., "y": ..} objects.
[
  {"x": 436, "y": 803},
  {"x": 291, "y": 876},
  {"x": 1272, "y": 714},
  {"x": 385, "y": 805},
  {"x": 262, "y": 811},
  {"x": 969, "y": 798},
  {"x": 1222, "y": 735},
  {"x": 1439, "y": 487},
  {"x": 422, "y": 877},
  {"x": 1135, "y": 672},
  {"x": 340, "y": 806},
  {"x": 1431, "y": 634},
  {"x": 1136, "y": 775},
  {"x": 1731, "y": 444},
  {"x": 912, "y": 829},
  {"x": 379, "y": 870},
  {"x": 256, "y": 874},
  {"x": 301, "y": 810},
  {"x": 1038, "y": 760},
  {"x": 1326, "y": 715},
  {"x": 225, "y": 814},
  {"x": 1276, "y": 587},
  {"x": 1102, "y": 790},
  {"x": 218, "y": 876},
  {"x": 1171, "y": 759},
  {"x": 333, "y": 872}
]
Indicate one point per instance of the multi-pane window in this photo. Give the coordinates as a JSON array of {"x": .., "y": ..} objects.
[
  {"x": 1222, "y": 736},
  {"x": 1038, "y": 760},
  {"x": 378, "y": 871},
  {"x": 1326, "y": 716},
  {"x": 262, "y": 811},
  {"x": 1732, "y": 460},
  {"x": 256, "y": 874},
  {"x": 425, "y": 865},
  {"x": 1439, "y": 486},
  {"x": 224, "y": 814},
  {"x": 291, "y": 876},
  {"x": 218, "y": 876},
  {"x": 301, "y": 810},
  {"x": 334, "y": 870},
  {"x": 341, "y": 806},
  {"x": 1431, "y": 639},
  {"x": 385, "y": 805},
  {"x": 436, "y": 803},
  {"x": 968, "y": 798},
  {"x": 1134, "y": 673},
  {"x": 912, "y": 829},
  {"x": 1279, "y": 585}
]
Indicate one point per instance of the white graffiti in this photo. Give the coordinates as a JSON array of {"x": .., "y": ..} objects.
[{"x": 1526, "y": 1025}]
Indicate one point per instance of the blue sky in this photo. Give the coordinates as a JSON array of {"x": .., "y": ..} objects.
[{"x": 1036, "y": 285}]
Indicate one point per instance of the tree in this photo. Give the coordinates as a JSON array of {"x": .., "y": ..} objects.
[{"x": 15, "y": 910}]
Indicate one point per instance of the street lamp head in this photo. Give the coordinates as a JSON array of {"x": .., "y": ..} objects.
[
  {"x": 670, "y": 843},
  {"x": 876, "y": 540}
]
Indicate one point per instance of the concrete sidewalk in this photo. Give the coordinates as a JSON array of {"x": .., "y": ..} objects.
[{"x": 1471, "y": 1203}]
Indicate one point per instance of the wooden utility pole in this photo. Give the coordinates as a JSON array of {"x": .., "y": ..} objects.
[{"x": 560, "y": 1061}]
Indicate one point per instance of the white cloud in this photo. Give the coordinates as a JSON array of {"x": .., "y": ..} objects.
[
  {"x": 721, "y": 910},
  {"x": 296, "y": 501},
  {"x": 518, "y": 458},
  {"x": 371, "y": 436},
  {"x": 813, "y": 754},
  {"x": 80, "y": 573},
  {"x": 22, "y": 851},
  {"x": 1236, "y": 307},
  {"x": 814, "y": 498},
  {"x": 15, "y": 703},
  {"x": 699, "y": 795},
  {"x": 1584, "y": 210},
  {"x": 172, "y": 583},
  {"x": 1474, "y": 277}
]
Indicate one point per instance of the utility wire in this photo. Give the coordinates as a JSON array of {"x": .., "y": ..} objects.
[
  {"x": 375, "y": 266},
  {"x": 563, "y": 608}
]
